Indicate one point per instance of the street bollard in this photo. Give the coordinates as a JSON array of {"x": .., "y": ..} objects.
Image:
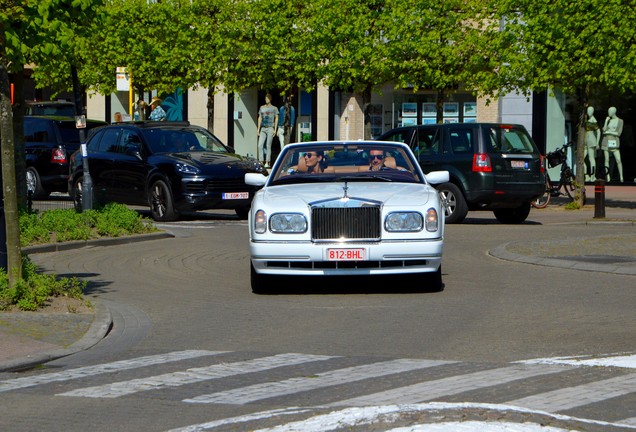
[{"x": 599, "y": 199}]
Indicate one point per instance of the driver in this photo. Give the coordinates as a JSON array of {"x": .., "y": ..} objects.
[{"x": 376, "y": 160}]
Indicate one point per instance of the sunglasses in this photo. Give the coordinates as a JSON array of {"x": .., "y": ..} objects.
[
  {"x": 378, "y": 157},
  {"x": 310, "y": 155}
]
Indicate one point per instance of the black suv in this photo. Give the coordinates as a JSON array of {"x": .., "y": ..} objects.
[
  {"x": 492, "y": 166},
  {"x": 48, "y": 144},
  {"x": 172, "y": 167}
]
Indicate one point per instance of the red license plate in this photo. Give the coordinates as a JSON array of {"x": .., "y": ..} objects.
[
  {"x": 357, "y": 254},
  {"x": 235, "y": 195}
]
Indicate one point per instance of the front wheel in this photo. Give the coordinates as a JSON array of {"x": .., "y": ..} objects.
[
  {"x": 455, "y": 207},
  {"x": 161, "y": 202},
  {"x": 569, "y": 183},
  {"x": 76, "y": 194}
]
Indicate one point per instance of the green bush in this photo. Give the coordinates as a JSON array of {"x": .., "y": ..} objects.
[
  {"x": 114, "y": 220},
  {"x": 31, "y": 292}
]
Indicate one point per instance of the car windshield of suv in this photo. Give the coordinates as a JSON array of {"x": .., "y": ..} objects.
[
  {"x": 508, "y": 139},
  {"x": 345, "y": 161},
  {"x": 175, "y": 140}
]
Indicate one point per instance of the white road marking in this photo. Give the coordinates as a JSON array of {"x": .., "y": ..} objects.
[
  {"x": 267, "y": 390},
  {"x": 430, "y": 390},
  {"x": 624, "y": 361},
  {"x": 117, "y": 366},
  {"x": 193, "y": 375},
  {"x": 360, "y": 416},
  {"x": 584, "y": 394}
]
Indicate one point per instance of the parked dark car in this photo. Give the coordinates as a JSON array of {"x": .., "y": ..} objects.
[
  {"x": 50, "y": 108},
  {"x": 48, "y": 144},
  {"x": 492, "y": 166},
  {"x": 172, "y": 167}
]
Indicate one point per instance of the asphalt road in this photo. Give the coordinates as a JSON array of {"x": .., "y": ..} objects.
[{"x": 192, "y": 292}]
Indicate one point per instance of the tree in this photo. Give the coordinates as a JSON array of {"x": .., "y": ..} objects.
[
  {"x": 347, "y": 43},
  {"x": 10, "y": 12},
  {"x": 438, "y": 45},
  {"x": 573, "y": 46}
]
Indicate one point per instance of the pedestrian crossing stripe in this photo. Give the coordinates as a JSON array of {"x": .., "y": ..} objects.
[
  {"x": 117, "y": 366},
  {"x": 430, "y": 390},
  {"x": 584, "y": 394},
  {"x": 194, "y": 375},
  {"x": 267, "y": 390}
]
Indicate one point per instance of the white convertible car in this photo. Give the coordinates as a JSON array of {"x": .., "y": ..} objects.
[{"x": 346, "y": 208}]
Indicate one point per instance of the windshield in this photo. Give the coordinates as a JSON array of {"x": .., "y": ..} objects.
[
  {"x": 336, "y": 161},
  {"x": 171, "y": 140}
]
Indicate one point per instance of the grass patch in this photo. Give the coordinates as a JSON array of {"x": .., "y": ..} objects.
[{"x": 34, "y": 289}]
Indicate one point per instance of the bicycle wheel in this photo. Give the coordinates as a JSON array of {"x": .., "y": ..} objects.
[
  {"x": 542, "y": 201},
  {"x": 569, "y": 183}
]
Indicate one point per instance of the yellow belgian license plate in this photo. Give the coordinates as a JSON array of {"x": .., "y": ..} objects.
[
  {"x": 235, "y": 195},
  {"x": 346, "y": 254}
]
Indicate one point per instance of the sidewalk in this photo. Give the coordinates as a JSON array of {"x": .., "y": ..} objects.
[{"x": 31, "y": 338}]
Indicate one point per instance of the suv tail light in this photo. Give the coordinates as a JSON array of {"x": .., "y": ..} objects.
[
  {"x": 542, "y": 162},
  {"x": 58, "y": 155},
  {"x": 481, "y": 163}
]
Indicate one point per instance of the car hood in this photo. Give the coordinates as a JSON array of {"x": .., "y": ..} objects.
[
  {"x": 298, "y": 196},
  {"x": 213, "y": 160}
]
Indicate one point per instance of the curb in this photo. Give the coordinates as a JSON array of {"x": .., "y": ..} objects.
[
  {"x": 97, "y": 331},
  {"x": 110, "y": 241}
]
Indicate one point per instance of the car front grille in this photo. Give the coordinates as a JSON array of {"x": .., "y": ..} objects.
[
  {"x": 354, "y": 223},
  {"x": 217, "y": 185}
]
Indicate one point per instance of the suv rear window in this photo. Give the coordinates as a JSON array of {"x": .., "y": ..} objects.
[{"x": 510, "y": 140}]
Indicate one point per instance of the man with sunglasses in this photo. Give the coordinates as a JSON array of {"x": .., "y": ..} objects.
[{"x": 376, "y": 160}]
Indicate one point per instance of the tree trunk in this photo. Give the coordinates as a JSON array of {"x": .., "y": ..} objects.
[
  {"x": 439, "y": 105},
  {"x": 18, "y": 137},
  {"x": 14, "y": 255},
  {"x": 211, "y": 109},
  {"x": 580, "y": 150},
  {"x": 366, "y": 103}
]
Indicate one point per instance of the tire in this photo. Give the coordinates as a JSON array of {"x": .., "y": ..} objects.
[
  {"x": 34, "y": 184},
  {"x": 242, "y": 213},
  {"x": 513, "y": 215},
  {"x": 76, "y": 194},
  {"x": 261, "y": 284},
  {"x": 434, "y": 281},
  {"x": 455, "y": 207},
  {"x": 542, "y": 201},
  {"x": 161, "y": 202},
  {"x": 569, "y": 184}
]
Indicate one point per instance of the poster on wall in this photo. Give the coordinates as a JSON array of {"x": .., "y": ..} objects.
[
  {"x": 451, "y": 109},
  {"x": 409, "y": 109},
  {"x": 429, "y": 109},
  {"x": 375, "y": 118},
  {"x": 470, "y": 109},
  {"x": 429, "y": 120},
  {"x": 409, "y": 121}
]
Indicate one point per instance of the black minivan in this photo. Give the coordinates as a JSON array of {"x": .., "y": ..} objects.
[{"x": 492, "y": 166}]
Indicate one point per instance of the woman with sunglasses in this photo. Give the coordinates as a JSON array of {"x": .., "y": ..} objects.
[{"x": 311, "y": 162}]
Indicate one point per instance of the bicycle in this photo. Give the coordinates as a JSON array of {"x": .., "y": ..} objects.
[{"x": 567, "y": 179}]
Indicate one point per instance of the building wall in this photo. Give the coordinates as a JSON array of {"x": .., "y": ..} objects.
[{"x": 517, "y": 109}]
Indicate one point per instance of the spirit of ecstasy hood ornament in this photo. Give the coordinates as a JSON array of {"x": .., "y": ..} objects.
[{"x": 345, "y": 188}]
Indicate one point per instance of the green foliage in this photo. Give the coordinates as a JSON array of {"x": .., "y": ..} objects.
[
  {"x": 33, "y": 290},
  {"x": 114, "y": 220}
]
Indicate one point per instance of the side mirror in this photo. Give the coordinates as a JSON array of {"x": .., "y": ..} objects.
[
  {"x": 255, "y": 179},
  {"x": 437, "y": 177}
]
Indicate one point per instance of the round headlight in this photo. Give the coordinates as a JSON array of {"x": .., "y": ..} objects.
[
  {"x": 404, "y": 221},
  {"x": 288, "y": 223}
]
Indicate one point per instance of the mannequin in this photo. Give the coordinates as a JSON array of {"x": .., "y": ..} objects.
[
  {"x": 267, "y": 125},
  {"x": 611, "y": 141},
  {"x": 592, "y": 140}
]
